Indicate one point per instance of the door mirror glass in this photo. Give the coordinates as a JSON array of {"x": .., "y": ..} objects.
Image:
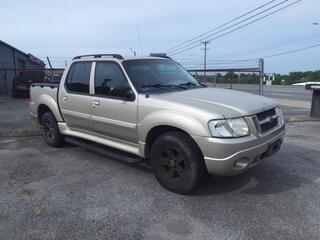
[{"x": 129, "y": 94}]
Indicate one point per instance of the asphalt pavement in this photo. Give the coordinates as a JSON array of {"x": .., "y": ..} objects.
[
  {"x": 294, "y": 100},
  {"x": 70, "y": 193}
]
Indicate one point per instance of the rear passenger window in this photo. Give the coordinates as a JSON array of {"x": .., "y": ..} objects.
[
  {"x": 110, "y": 80},
  {"x": 79, "y": 78}
]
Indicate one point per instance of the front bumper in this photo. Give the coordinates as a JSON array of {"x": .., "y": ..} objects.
[{"x": 226, "y": 157}]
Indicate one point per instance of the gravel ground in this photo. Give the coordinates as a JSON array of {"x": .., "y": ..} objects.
[{"x": 70, "y": 193}]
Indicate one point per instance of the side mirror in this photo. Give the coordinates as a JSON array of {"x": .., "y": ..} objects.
[{"x": 129, "y": 95}]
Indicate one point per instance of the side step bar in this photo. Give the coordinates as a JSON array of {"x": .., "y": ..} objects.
[{"x": 105, "y": 151}]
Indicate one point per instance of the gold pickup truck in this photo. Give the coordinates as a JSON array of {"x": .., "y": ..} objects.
[{"x": 154, "y": 109}]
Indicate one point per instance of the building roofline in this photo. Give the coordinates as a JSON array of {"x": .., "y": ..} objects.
[
  {"x": 10, "y": 46},
  {"x": 18, "y": 50}
]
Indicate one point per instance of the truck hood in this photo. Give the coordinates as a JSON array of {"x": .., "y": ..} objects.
[{"x": 222, "y": 102}]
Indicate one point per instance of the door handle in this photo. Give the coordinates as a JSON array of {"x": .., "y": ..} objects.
[
  {"x": 64, "y": 98},
  {"x": 96, "y": 103}
]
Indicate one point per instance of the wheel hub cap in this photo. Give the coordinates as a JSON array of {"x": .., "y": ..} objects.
[{"x": 173, "y": 164}]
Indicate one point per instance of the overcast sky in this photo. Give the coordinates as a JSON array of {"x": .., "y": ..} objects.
[{"x": 67, "y": 28}]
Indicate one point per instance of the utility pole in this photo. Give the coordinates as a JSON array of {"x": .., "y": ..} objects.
[
  {"x": 261, "y": 66},
  {"x": 205, "y": 43}
]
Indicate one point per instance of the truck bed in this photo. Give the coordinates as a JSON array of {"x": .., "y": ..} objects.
[{"x": 44, "y": 93}]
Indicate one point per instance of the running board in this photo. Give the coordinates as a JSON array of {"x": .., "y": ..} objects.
[{"x": 105, "y": 151}]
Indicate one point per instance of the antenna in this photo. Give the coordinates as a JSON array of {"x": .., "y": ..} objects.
[
  {"x": 139, "y": 39},
  {"x": 49, "y": 63},
  {"x": 51, "y": 68}
]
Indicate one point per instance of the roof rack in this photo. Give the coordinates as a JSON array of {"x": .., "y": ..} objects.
[
  {"x": 161, "y": 55},
  {"x": 118, "y": 56}
]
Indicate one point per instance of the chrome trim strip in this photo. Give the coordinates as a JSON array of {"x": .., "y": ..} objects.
[
  {"x": 75, "y": 114},
  {"x": 280, "y": 135},
  {"x": 268, "y": 119},
  {"x": 114, "y": 122}
]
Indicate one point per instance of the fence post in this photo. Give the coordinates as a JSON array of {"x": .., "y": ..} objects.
[{"x": 261, "y": 67}]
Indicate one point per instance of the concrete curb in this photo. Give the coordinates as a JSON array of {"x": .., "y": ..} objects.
[{"x": 301, "y": 119}]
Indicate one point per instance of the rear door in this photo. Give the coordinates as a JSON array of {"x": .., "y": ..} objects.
[
  {"x": 74, "y": 97},
  {"x": 113, "y": 114}
]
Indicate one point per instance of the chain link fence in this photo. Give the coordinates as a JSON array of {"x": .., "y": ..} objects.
[{"x": 15, "y": 117}]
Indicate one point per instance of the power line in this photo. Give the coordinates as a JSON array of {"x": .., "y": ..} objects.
[
  {"x": 295, "y": 41},
  {"x": 233, "y": 25},
  {"x": 218, "y": 62},
  {"x": 292, "y": 51},
  {"x": 242, "y": 26},
  {"x": 216, "y": 28}
]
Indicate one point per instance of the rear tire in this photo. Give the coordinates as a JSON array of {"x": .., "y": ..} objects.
[
  {"x": 177, "y": 162},
  {"x": 50, "y": 130}
]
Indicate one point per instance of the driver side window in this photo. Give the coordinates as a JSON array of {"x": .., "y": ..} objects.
[{"x": 110, "y": 81}]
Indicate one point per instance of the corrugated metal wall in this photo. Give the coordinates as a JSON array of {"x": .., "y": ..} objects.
[{"x": 12, "y": 58}]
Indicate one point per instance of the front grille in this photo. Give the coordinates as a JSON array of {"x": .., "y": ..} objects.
[
  {"x": 267, "y": 120},
  {"x": 269, "y": 125},
  {"x": 263, "y": 115}
]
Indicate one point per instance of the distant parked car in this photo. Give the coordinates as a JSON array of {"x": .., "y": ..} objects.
[{"x": 305, "y": 83}]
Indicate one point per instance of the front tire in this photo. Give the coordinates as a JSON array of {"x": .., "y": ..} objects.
[
  {"x": 50, "y": 130},
  {"x": 177, "y": 162}
]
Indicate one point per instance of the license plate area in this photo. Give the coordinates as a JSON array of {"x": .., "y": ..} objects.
[{"x": 274, "y": 147}]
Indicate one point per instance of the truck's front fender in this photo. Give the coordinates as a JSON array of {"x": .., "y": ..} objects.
[{"x": 171, "y": 118}]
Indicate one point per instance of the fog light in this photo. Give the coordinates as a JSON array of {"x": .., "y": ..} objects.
[{"x": 241, "y": 163}]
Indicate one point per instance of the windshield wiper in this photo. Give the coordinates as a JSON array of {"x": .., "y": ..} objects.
[
  {"x": 191, "y": 84},
  {"x": 158, "y": 85},
  {"x": 188, "y": 84}
]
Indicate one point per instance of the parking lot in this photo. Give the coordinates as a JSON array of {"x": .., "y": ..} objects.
[
  {"x": 70, "y": 193},
  {"x": 295, "y": 101}
]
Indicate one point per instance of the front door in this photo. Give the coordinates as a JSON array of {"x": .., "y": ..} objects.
[{"x": 114, "y": 114}]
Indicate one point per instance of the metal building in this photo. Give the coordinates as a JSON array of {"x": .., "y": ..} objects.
[{"x": 12, "y": 62}]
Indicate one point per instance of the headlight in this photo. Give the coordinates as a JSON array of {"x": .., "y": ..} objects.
[
  {"x": 236, "y": 127},
  {"x": 281, "y": 118}
]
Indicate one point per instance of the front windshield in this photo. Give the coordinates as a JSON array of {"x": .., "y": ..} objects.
[{"x": 151, "y": 74}]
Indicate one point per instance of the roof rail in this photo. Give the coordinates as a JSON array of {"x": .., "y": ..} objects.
[
  {"x": 118, "y": 56},
  {"x": 162, "y": 55}
]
